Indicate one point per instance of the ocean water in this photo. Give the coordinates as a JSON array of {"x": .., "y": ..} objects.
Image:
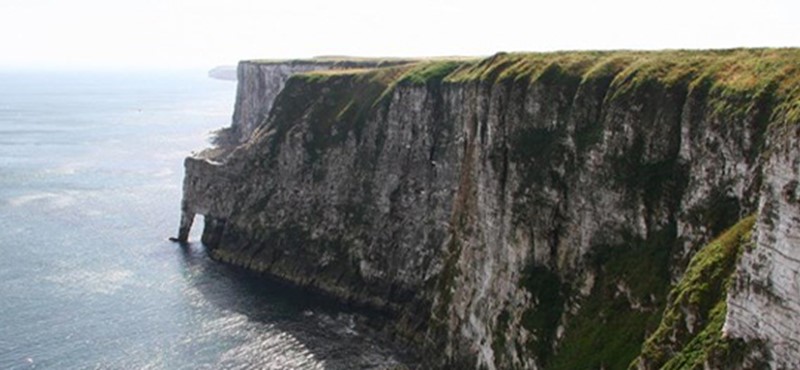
[{"x": 90, "y": 186}]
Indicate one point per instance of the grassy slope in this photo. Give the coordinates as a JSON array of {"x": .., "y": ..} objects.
[{"x": 701, "y": 294}]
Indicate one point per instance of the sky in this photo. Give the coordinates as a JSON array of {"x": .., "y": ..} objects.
[{"x": 206, "y": 33}]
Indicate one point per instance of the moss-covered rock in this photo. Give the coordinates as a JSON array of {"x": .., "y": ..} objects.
[
  {"x": 608, "y": 327},
  {"x": 690, "y": 332}
]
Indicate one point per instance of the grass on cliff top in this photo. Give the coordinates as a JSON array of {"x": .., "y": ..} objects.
[
  {"x": 737, "y": 68},
  {"x": 326, "y": 74},
  {"x": 702, "y": 292},
  {"x": 429, "y": 72},
  {"x": 337, "y": 103},
  {"x": 736, "y": 80},
  {"x": 518, "y": 66},
  {"x": 738, "y": 86},
  {"x": 386, "y": 76}
]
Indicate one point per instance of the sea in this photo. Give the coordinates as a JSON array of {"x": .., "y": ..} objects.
[{"x": 91, "y": 166}]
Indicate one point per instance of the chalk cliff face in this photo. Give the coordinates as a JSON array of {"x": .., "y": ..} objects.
[
  {"x": 765, "y": 300},
  {"x": 261, "y": 81},
  {"x": 259, "y": 84},
  {"x": 525, "y": 210}
]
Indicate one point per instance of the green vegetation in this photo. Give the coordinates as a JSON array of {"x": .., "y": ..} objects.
[
  {"x": 464, "y": 204},
  {"x": 543, "y": 318},
  {"x": 717, "y": 212},
  {"x": 520, "y": 67},
  {"x": 741, "y": 85},
  {"x": 446, "y": 280},
  {"x": 593, "y": 89},
  {"x": 701, "y": 293},
  {"x": 631, "y": 283},
  {"x": 335, "y": 103},
  {"x": 739, "y": 82},
  {"x": 429, "y": 72},
  {"x": 499, "y": 337}
]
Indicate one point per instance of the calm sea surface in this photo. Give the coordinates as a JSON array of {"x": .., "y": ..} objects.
[{"x": 90, "y": 187}]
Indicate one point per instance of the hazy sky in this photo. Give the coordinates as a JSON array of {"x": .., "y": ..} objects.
[{"x": 204, "y": 33}]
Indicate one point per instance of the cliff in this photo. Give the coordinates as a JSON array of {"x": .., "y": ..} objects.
[
  {"x": 260, "y": 81},
  {"x": 526, "y": 210}
]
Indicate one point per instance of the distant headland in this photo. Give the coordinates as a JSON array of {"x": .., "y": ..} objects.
[{"x": 227, "y": 73}]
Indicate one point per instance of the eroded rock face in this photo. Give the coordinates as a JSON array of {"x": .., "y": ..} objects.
[
  {"x": 765, "y": 300},
  {"x": 261, "y": 81},
  {"x": 519, "y": 211},
  {"x": 258, "y": 86}
]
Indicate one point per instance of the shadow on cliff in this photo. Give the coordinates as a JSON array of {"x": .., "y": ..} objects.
[{"x": 335, "y": 334}]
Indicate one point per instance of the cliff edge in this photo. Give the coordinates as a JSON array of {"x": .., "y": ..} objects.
[{"x": 536, "y": 211}]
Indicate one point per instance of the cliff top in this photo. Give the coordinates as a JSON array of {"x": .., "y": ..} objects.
[
  {"x": 730, "y": 73},
  {"x": 335, "y": 62},
  {"x": 746, "y": 74},
  {"x": 366, "y": 61}
]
